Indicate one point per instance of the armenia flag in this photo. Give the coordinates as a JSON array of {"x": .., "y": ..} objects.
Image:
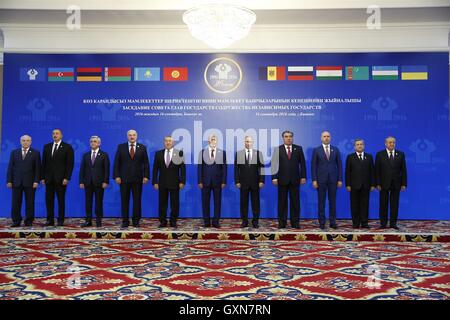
[
  {"x": 117, "y": 74},
  {"x": 329, "y": 73},
  {"x": 357, "y": 73},
  {"x": 414, "y": 73},
  {"x": 89, "y": 74},
  {"x": 300, "y": 72},
  {"x": 385, "y": 73},
  {"x": 175, "y": 74},
  {"x": 61, "y": 74},
  {"x": 272, "y": 73},
  {"x": 147, "y": 74}
]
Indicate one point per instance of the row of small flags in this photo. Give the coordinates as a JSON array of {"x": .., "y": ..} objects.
[
  {"x": 108, "y": 74},
  {"x": 278, "y": 73}
]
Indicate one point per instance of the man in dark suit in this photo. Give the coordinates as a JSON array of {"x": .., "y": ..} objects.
[
  {"x": 94, "y": 179},
  {"x": 131, "y": 171},
  {"x": 391, "y": 178},
  {"x": 249, "y": 178},
  {"x": 169, "y": 176},
  {"x": 212, "y": 177},
  {"x": 288, "y": 173},
  {"x": 57, "y": 167},
  {"x": 24, "y": 170},
  {"x": 326, "y": 170},
  {"x": 359, "y": 181}
]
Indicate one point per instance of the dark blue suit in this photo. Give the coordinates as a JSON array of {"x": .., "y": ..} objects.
[
  {"x": 93, "y": 176},
  {"x": 327, "y": 172},
  {"x": 22, "y": 173},
  {"x": 212, "y": 173}
]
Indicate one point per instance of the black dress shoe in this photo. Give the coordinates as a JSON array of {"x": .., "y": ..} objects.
[
  {"x": 124, "y": 224},
  {"x": 207, "y": 224},
  {"x": 296, "y": 226},
  {"x": 28, "y": 224},
  {"x": 98, "y": 224},
  {"x": 244, "y": 224},
  {"x": 87, "y": 224},
  {"x": 173, "y": 224},
  {"x": 322, "y": 227},
  {"x": 281, "y": 226},
  {"x": 365, "y": 226},
  {"x": 136, "y": 224},
  {"x": 60, "y": 224},
  {"x": 255, "y": 225},
  {"x": 333, "y": 226},
  {"x": 15, "y": 225},
  {"x": 49, "y": 224},
  {"x": 162, "y": 225},
  {"x": 355, "y": 227},
  {"x": 395, "y": 227},
  {"x": 382, "y": 227},
  {"x": 216, "y": 225}
]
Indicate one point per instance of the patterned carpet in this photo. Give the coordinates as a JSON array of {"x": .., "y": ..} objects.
[{"x": 205, "y": 269}]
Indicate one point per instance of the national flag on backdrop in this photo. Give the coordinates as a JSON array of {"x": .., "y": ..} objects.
[
  {"x": 175, "y": 74},
  {"x": 272, "y": 73},
  {"x": 89, "y": 74},
  {"x": 300, "y": 72},
  {"x": 385, "y": 73},
  {"x": 32, "y": 74},
  {"x": 147, "y": 74},
  {"x": 61, "y": 74},
  {"x": 414, "y": 73},
  {"x": 329, "y": 73},
  {"x": 357, "y": 73},
  {"x": 117, "y": 74}
]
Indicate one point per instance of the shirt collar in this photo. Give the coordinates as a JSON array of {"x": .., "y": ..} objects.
[
  {"x": 389, "y": 152},
  {"x": 325, "y": 145}
]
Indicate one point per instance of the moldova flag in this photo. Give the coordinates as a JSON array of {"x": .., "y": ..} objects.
[
  {"x": 89, "y": 74},
  {"x": 117, "y": 74},
  {"x": 61, "y": 74},
  {"x": 272, "y": 73},
  {"x": 175, "y": 74}
]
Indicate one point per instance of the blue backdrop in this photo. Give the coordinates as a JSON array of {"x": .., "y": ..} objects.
[{"x": 415, "y": 112}]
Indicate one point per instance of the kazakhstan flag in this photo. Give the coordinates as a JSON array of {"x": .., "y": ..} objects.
[{"x": 147, "y": 74}]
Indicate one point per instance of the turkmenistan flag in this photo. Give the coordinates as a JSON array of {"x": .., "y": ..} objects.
[
  {"x": 385, "y": 73},
  {"x": 328, "y": 73},
  {"x": 357, "y": 73},
  {"x": 117, "y": 74},
  {"x": 61, "y": 74}
]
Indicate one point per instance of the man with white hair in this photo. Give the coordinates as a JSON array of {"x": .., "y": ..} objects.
[
  {"x": 94, "y": 179},
  {"x": 24, "y": 170},
  {"x": 131, "y": 171}
]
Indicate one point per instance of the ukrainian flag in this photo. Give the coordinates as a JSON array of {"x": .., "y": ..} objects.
[{"x": 414, "y": 73}]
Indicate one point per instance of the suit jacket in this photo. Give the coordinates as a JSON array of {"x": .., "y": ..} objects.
[
  {"x": 285, "y": 170},
  {"x": 249, "y": 175},
  {"x": 97, "y": 173},
  {"x": 24, "y": 172},
  {"x": 385, "y": 172},
  {"x": 60, "y": 167},
  {"x": 359, "y": 174},
  {"x": 212, "y": 172},
  {"x": 169, "y": 177},
  {"x": 131, "y": 170},
  {"x": 323, "y": 170}
]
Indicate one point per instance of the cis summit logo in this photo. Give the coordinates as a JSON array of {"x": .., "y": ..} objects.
[{"x": 223, "y": 75}]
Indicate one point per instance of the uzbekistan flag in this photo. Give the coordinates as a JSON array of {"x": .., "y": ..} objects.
[
  {"x": 61, "y": 74},
  {"x": 385, "y": 73},
  {"x": 272, "y": 73},
  {"x": 414, "y": 73},
  {"x": 300, "y": 72},
  {"x": 329, "y": 72},
  {"x": 175, "y": 74},
  {"x": 117, "y": 74},
  {"x": 89, "y": 74}
]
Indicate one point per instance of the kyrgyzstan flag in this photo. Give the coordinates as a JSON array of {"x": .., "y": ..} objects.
[{"x": 175, "y": 74}]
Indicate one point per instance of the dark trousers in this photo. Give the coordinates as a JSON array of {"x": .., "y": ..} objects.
[
  {"x": 329, "y": 188},
  {"x": 244, "y": 200},
  {"x": 125, "y": 190},
  {"x": 294, "y": 198},
  {"x": 50, "y": 190},
  {"x": 164, "y": 194},
  {"x": 389, "y": 198},
  {"x": 17, "y": 193},
  {"x": 206, "y": 197},
  {"x": 359, "y": 206},
  {"x": 91, "y": 192}
]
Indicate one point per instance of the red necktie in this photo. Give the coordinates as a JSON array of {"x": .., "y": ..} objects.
[
  {"x": 289, "y": 152},
  {"x": 132, "y": 151}
]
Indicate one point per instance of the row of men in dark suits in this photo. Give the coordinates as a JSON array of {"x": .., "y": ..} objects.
[{"x": 132, "y": 169}]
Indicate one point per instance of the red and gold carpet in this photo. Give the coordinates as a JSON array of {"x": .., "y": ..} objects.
[{"x": 222, "y": 269}]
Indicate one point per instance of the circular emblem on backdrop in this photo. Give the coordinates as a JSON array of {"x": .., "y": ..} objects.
[
  {"x": 175, "y": 74},
  {"x": 223, "y": 75}
]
